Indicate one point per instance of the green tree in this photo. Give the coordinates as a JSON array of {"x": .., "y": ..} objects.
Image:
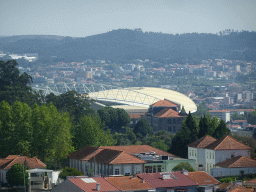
[
  {"x": 15, "y": 177},
  {"x": 251, "y": 118},
  {"x": 77, "y": 105},
  {"x": 160, "y": 145},
  {"x": 89, "y": 132},
  {"x": 51, "y": 138},
  {"x": 188, "y": 133},
  {"x": 221, "y": 130},
  {"x": 6, "y": 129},
  {"x": 204, "y": 127},
  {"x": 201, "y": 111},
  {"x": 13, "y": 85},
  {"x": 236, "y": 116},
  {"x": 70, "y": 172},
  {"x": 21, "y": 118},
  {"x": 183, "y": 165},
  {"x": 143, "y": 128}
]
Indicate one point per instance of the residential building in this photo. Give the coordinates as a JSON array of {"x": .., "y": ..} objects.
[
  {"x": 170, "y": 181},
  {"x": 85, "y": 184},
  {"x": 221, "y": 114},
  {"x": 235, "y": 166},
  {"x": 8, "y": 162},
  {"x": 205, "y": 182},
  {"x": 130, "y": 183},
  {"x": 207, "y": 151},
  {"x": 99, "y": 161},
  {"x": 164, "y": 115}
]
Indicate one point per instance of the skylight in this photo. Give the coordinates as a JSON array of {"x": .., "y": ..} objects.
[{"x": 88, "y": 180}]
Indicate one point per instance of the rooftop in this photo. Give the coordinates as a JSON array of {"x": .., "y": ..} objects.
[
  {"x": 202, "y": 178},
  {"x": 202, "y": 142},
  {"x": 238, "y": 161}
]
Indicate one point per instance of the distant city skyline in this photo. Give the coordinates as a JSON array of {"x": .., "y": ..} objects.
[{"x": 81, "y": 18}]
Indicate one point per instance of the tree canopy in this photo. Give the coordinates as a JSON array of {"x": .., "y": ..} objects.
[
  {"x": 70, "y": 172},
  {"x": 15, "y": 177},
  {"x": 143, "y": 128},
  {"x": 185, "y": 166}
]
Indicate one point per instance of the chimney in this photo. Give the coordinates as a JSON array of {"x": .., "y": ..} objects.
[
  {"x": 97, "y": 186},
  {"x": 185, "y": 172}
]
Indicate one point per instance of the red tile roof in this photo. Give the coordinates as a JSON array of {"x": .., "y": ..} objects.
[
  {"x": 128, "y": 183},
  {"x": 238, "y": 161},
  {"x": 30, "y": 163},
  {"x": 108, "y": 156},
  {"x": 202, "y": 142},
  {"x": 164, "y": 103},
  {"x": 136, "y": 149},
  {"x": 202, "y": 178},
  {"x": 84, "y": 153},
  {"x": 242, "y": 189},
  {"x": 167, "y": 113},
  {"x": 156, "y": 181},
  {"x": 91, "y": 187},
  {"x": 253, "y": 181},
  {"x": 227, "y": 143},
  {"x": 135, "y": 116}
]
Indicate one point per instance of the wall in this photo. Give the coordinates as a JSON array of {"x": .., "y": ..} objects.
[
  {"x": 222, "y": 155},
  {"x": 220, "y": 172}
]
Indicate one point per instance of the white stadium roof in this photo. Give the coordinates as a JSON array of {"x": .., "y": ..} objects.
[{"x": 142, "y": 97}]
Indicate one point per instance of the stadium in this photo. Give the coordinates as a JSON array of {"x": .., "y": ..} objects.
[{"x": 132, "y": 99}]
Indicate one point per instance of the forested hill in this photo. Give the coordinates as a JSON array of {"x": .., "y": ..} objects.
[{"x": 125, "y": 44}]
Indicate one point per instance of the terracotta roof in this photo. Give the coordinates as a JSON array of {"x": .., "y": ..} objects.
[
  {"x": 253, "y": 181},
  {"x": 167, "y": 112},
  {"x": 202, "y": 142},
  {"x": 128, "y": 183},
  {"x": 164, "y": 103},
  {"x": 242, "y": 189},
  {"x": 91, "y": 186},
  {"x": 156, "y": 181},
  {"x": 109, "y": 156},
  {"x": 84, "y": 153},
  {"x": 202, "y": 178},
  {"x": 30, "y": 163},
  {"x": 135, "y": 116},
  {"x": 227, "y": 143},
  {"x": 136, "y": 149},
  {"x": 238, "y": 161}
]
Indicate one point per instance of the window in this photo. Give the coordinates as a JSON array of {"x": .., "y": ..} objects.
[
  {"x": 170, "y": 129},
  {"x": 213, "y": 155},
  {"x": 189, "y": 152},
  {"x": 159, "y": 169},
  {"x": 117, "y": 171},
  {"x": 210, "y": 155},
  {"x": 241, "y": 172},
  {"x": 200, "y": 165},
  {"x": 232, "y": 155},
  {"x": 192, "y": 152},
  {"x": 195, "y": 152}
]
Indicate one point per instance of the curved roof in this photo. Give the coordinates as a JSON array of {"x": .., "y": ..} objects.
[{"x": 144, "y": 97}]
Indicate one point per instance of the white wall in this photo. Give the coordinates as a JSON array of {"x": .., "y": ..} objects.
[
  {"x": 209, "y": 160},
  {"x": 219, "y": 172},
  {"x": 223, "y": 155},
  {"x": 3, "y": 175}
]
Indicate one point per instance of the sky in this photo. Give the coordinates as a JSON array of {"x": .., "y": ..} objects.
[{"x": 81, "y": 18}]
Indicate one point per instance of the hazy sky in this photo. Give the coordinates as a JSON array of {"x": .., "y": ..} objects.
[{"x": 80, "y": 18}]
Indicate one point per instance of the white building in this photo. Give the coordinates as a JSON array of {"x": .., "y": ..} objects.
[{"x": 207, "y": 151}]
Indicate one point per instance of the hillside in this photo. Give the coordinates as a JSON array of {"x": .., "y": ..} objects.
[{"x": 126, "y": 44}]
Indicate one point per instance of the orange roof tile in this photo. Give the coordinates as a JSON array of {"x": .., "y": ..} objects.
[
  {"x": 30, "y": 163},
  {"x": 227, "y": 143},
  {"x": 202, "y": 142},
  {"x": 91, "y": 187},
  {"x": 202, "y": 178},
  {"x": 84, "y": 153},
  {"x": 136, "y": 149},
  {"x": 128, "y": 183},
  {"x": 238, "y": 161},
  {"x": 242, "y": 189},
  {"x": 253, "y": 181},
  {"x": 110, "y": 156},
  {"x": 167, "y": 113},
  {"x": 135, "y": 116},
  {"x": 164, "y": 103}
]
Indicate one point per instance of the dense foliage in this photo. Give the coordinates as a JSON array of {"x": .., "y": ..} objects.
[
  {"x": 15, "y": 176},
  {"x": 193, "y": 129},
  {"x": 125, "y": 44},
  {"x": 183, "y": 166},
  {"x": 70, "y": 172}
]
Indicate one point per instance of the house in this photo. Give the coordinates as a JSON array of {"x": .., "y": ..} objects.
[
  {"x": 207, "y": 151},
  {"x": 43, "y": 178},
  {"x": 250, "y": 184},
  {"x": 130, "y": 183},
  {"x": 100, "y": 161},
  {"x": 85, "y": 184},
  {"x": 8, "y": 162},
  {"x": 235, "y": 166},
  {"x": 206, "y": 183},
  {"x": 164, "y": 115},
  {"x": 169, "y": 181}
]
